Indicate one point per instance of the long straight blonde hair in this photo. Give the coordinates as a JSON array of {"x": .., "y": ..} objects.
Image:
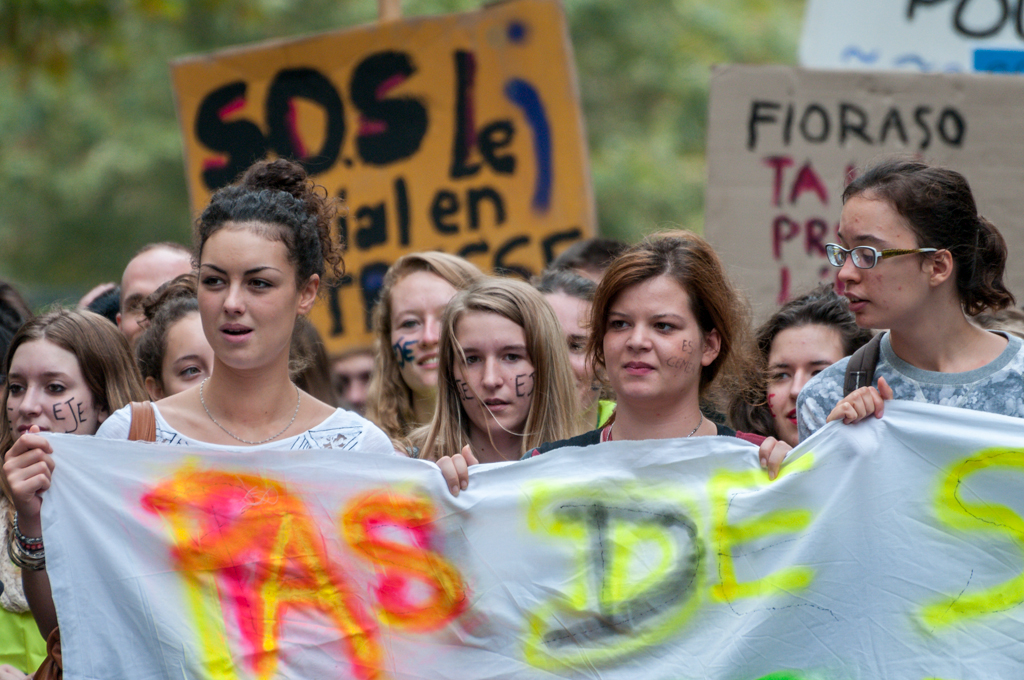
[
  {"x": 552, "y": 415},
  {"x": 389, "y": 401}
]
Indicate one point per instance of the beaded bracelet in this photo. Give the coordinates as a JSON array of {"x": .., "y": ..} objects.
[
  {"x": 34, "y": 560},
  {"x": 29, "y": 543}
]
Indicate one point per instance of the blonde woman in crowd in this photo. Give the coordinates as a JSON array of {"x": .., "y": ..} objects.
[
  {"x": 665, "y": 327},
  {"x": 504, "y": 379},
  {"x": 406, "y": 322}
]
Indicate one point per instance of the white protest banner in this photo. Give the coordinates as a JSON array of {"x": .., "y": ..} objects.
[
  {"x": 889, "y": 549},
  {"x": 951, "y": 36},
  {"x": 782, "y": 141}
]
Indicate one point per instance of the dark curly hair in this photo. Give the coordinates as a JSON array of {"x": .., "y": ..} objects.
[
  {"x": 748, "y": 407},
  {"x": 294, "y": 210},
  {"x": 166, "y": 306}
]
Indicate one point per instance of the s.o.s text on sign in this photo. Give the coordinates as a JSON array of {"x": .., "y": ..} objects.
[{"x": 458, "y": 133}]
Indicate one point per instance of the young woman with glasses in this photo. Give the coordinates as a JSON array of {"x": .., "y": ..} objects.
[{"x": 917, "y": 259}]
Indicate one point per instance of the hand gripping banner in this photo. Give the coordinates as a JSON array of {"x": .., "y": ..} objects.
[{"x": 889, "y": 549}]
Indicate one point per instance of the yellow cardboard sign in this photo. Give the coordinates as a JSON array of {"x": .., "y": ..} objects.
[{"x": 460, "y": 133}]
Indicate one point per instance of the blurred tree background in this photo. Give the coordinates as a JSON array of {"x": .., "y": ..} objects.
[{"x": 90, "y": 152}]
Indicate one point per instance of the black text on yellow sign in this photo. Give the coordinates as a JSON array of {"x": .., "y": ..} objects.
[{"x": 459, "y": 133}]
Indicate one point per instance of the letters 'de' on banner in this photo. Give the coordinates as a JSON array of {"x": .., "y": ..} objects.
[
  {"x": 783, "y": 141},
  {"x": 886, "y": 550},
  {"x": 458, "y": 133}
]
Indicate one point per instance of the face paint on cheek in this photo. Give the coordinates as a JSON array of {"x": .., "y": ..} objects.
[
  {"x": 684, "y": 363},
  {"x": 463, "y": 388},
  {"x": 771, "y": 395},
  {"x": 74, "y": 410},
  {"x": 403, "y": 351},
  {"x": 680, "y": 363},
  {"x": 525, "y": 384}
]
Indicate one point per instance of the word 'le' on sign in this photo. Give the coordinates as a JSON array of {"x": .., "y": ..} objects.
[{"x": 457, "y": 133}]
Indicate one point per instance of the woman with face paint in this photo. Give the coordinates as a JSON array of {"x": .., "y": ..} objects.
[
  {"x": 504, "y": 381},
  {"x": 67, "y": 371},
  {"x": 803, "y": 338},
  {"x": 406, "y": 322},
  {"x": 916, "y": 258},
  {"x": 665, "y": 323}
]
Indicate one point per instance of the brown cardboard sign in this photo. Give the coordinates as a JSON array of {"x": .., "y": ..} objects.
[
  {"x": 459, "y": 133},
  {"x": 782, "y": 141}
]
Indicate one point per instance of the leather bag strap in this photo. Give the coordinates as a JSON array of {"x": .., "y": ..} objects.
[{"x": 143, "y": 428}]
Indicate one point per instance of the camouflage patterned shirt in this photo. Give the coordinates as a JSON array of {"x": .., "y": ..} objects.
[{"x": 997, "y": 387}]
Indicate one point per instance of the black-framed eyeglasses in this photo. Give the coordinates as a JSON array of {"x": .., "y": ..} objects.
[{"x": 866, "y": 257}]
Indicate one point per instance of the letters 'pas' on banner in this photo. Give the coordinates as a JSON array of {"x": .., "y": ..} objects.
[
  {"x": 459, "y": 133},
  {"x": 783, "y": 141},
  {"x": 949, "y": 36},
  {"x": 891, "y": 549}
]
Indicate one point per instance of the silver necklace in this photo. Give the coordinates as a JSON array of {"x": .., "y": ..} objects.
[
  {"x": 298, "y": 400},
  {"x": 692, "y": 432}
]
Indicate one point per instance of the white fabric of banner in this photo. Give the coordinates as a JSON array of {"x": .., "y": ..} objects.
[{"x": 889, "y": 549}]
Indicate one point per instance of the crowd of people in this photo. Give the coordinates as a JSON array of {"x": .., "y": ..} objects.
[{"x": 210, "y": 347}]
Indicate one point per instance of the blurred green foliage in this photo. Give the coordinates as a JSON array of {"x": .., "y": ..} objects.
[{"x": 90, "y": 153}]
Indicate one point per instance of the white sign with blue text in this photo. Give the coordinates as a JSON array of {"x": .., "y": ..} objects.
[{"x": 930, "y": 36}]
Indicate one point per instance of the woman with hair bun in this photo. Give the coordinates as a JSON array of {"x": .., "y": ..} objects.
[
  {"x": 263, "y": 246},
  {"x": 917, "y": 259}
]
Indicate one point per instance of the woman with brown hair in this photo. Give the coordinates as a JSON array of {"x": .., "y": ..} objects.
[
  {"x": 803, "y": 338},
  {"x": 666, "y": 324},
  {"x": 67, "y": 371},
  {"x": 406, "y": 323},
  {"x": 916, "y": 258},
  {"x": 173, "y": 352}
]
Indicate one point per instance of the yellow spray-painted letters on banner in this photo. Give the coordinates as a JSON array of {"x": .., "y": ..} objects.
[{"x": 887, "y": 549}]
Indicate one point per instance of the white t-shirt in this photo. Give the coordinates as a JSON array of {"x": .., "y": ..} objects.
[{"x": 341, "y": 430}]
